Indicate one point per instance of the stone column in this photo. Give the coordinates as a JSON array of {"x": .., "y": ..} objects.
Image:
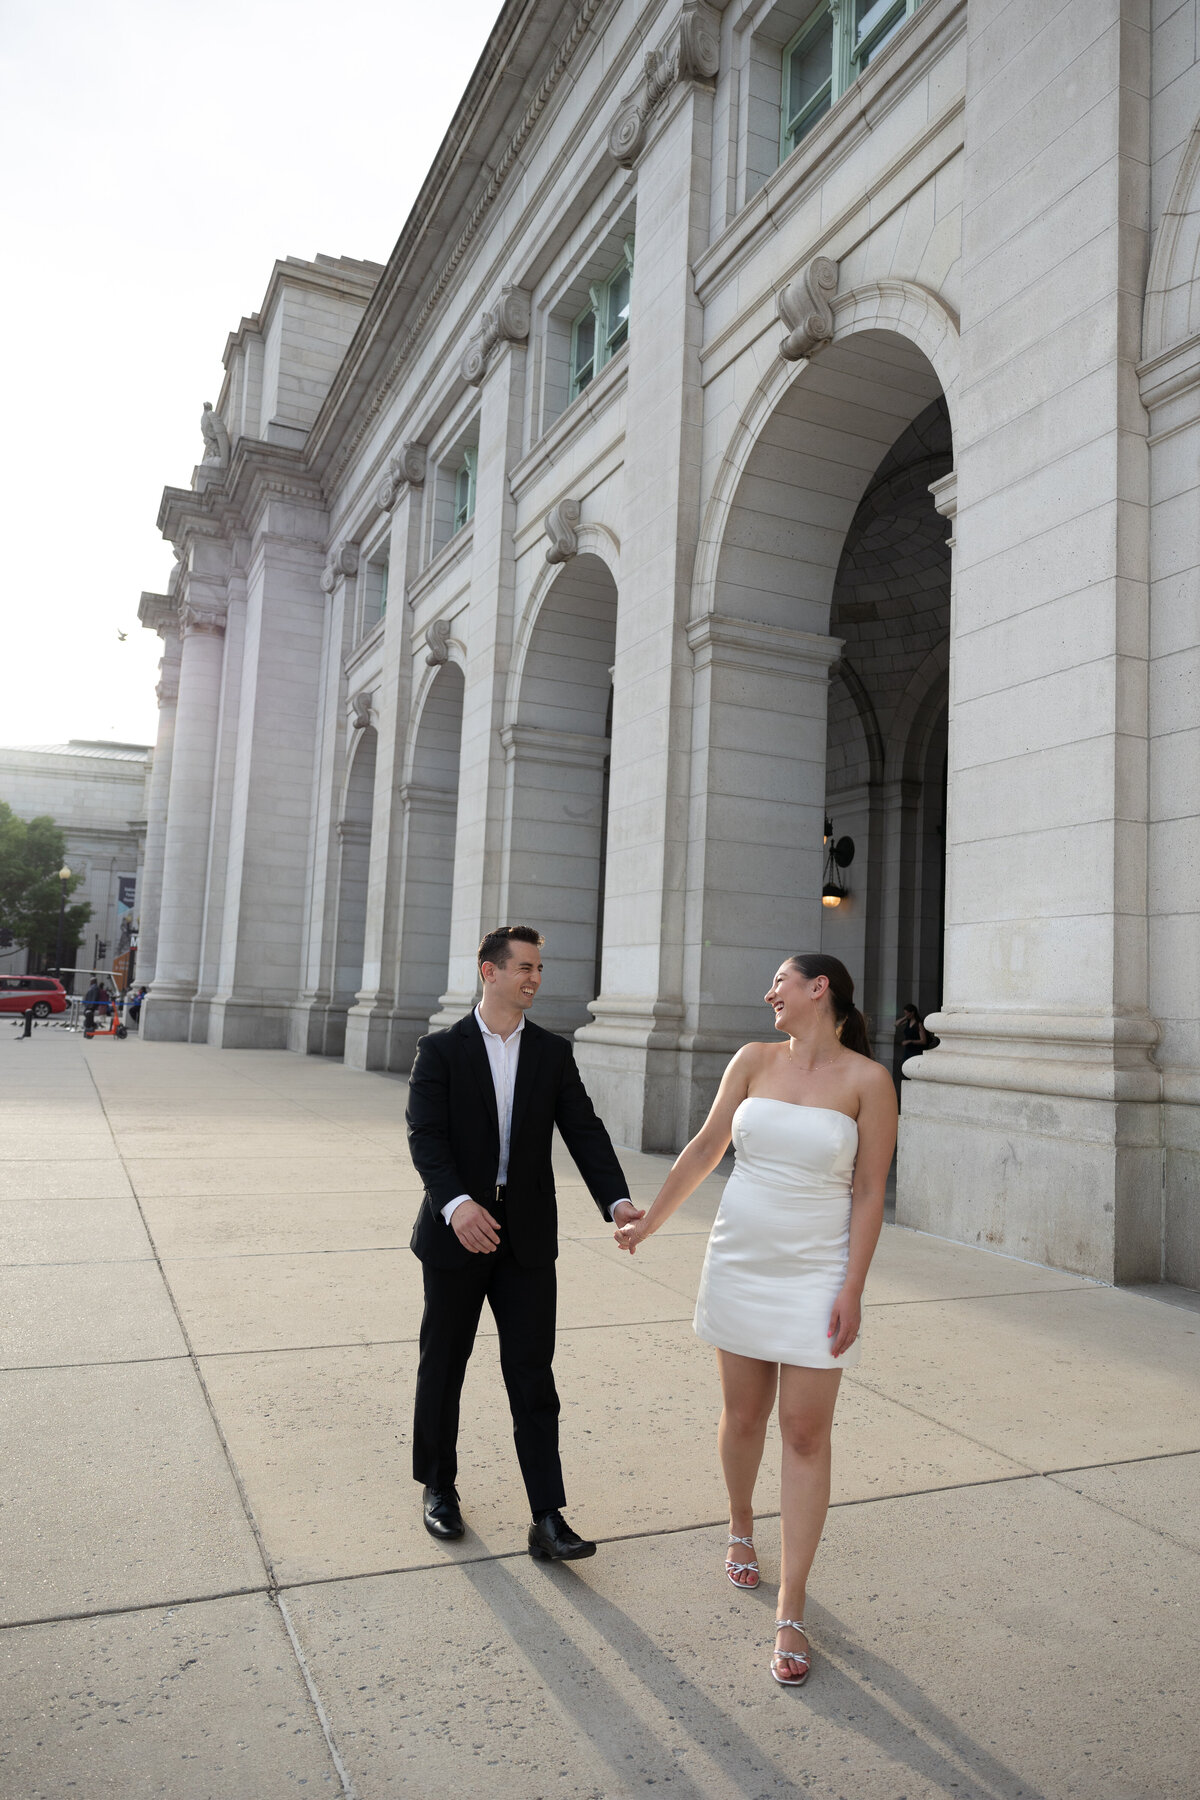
[
  {"x": 164, "y": 619},
  {"x": 630, "y": 1056},
  {"x": 480, "y": 826},
  {"x": 1035, "y": 1127},
  {"x": 1170, "y": 387},
  {"x": 271, "y": 814},
  {"x": 555, "y": 807},
  {"x": 370, "y": 1020},
  {"x": 167, "y": 1012},
  {"x": 427, "y": 834},
  {"x": 310, "y": 1029}
]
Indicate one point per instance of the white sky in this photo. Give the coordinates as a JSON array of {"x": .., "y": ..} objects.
[{"x": 158, "y": 156}]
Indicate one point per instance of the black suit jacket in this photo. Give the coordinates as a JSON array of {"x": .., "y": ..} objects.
[{"x": 454, "y": 1140}]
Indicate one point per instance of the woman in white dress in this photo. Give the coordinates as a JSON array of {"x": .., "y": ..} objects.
[{"x": 813, "y": 1124}]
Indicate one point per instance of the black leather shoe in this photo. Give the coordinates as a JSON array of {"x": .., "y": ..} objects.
[
  {"x": 554, "y": 1541},
  {"x": 441, "y": 1514}
]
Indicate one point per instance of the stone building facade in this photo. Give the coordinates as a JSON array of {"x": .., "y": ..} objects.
[
  {"x": 96, "y": 792},
  {"x": 772, "y": 414}
]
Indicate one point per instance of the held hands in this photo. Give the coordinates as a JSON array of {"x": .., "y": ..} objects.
[
  {"x": 475, "y": 1228},
  {"x": 630, "y": 1231},
  {"x": 844, "y": 1321}
]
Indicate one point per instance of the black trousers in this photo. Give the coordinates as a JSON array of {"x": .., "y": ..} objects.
[{"x": 524, "y": 1304}]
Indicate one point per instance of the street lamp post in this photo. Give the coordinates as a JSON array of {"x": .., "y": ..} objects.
[{"x": 64, "y": 876}]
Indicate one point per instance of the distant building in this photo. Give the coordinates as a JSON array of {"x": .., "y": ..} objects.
[
  {"x": 96, "y": 793},
  {"x": 771, "y": 412}
]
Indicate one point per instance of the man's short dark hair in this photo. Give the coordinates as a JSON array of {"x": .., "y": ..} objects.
[{"x": 497, "y": 945}]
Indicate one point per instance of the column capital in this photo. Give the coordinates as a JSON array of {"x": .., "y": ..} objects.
[
  {"x": 342, "y": 562},
  {"x": 505, "y": 323},
  {"x": 405, "y": 468},
  {"x": 570, "y": 749},
  {"x": 715, "y": 638},
  {"x": 691, "y": 51},
  {"x": 204, "y": 617}
]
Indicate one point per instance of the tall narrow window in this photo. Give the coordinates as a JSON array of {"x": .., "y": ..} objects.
[
  {"x": 828, "y": 53},
  {"x": 603, "y": 326},
  {"x": 464, "y": 488}
]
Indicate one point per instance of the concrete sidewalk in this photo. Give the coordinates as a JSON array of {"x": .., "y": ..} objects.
[{"x": 214, "y": 1578}]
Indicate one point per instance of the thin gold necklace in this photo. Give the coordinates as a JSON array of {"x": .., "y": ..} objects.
[{"x": 817, "y": 1065}]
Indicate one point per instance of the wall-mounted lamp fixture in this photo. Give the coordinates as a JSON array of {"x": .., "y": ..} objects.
[{"x": 839, "y": 854}]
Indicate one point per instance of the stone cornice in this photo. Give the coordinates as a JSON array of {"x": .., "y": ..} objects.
[
  {"x": 419, "y": 271},
  {"x": 257, "y": 472},
  {"x": 158, "y": 612}
]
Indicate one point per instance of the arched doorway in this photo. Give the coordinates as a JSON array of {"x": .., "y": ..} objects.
[
  {"x": 558, "y": 752},
  {"x": 354, "y": 862},
  {"x": 430, "y": 800},
  {"x": 885, "y": 769},
  {"x": 820, "y": 692}
]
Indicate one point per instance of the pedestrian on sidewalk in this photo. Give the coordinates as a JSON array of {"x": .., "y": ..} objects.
[
  {"x": 483, "y": 1102},
  {"x": 813, "y": 1124},
  {"x": 97, "y": 992}
]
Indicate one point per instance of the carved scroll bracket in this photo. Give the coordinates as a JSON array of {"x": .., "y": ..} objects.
[
  {"x": 438, "y": 640},
  {"x": 562, "y": 528},
  {"x": 408, "y": 467},
  {"x": 343, "y": 562},
  {"x": 506, "y": 323},
  {"x": 805, "y": 308},
  {"x": 361, "y": 709},
  {"x": 691, "y": 52}
]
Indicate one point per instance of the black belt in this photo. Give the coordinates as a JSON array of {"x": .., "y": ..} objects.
[{"x": 501, "y": 1191}]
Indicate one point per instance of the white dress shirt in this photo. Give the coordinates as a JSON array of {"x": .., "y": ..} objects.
[{"x": 502, "y": 1054}]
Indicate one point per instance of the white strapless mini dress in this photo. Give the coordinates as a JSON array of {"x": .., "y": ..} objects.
[{"x": 777, "y": 1253}]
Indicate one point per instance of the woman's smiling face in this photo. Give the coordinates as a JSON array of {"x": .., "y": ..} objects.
[{"x": 791, "y": 996}]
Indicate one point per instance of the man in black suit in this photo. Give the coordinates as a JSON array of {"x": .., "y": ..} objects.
[{"x": 483, "y": 1102}]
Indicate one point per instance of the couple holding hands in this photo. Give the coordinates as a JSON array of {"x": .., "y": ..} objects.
[{"x": 812, "y": 1119}]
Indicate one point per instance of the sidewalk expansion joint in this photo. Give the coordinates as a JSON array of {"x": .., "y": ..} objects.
[{"x": 139, "y": 1606}]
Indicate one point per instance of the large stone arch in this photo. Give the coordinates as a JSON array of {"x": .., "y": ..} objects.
[
  {"x": 896, "y": 309},
  {"x": 801, "y": 469},
  {"x": 1171, "y": 310}
]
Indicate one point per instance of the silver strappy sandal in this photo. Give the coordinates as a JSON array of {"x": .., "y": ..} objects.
[
  {"x": 734, "y": 1569},
  {"x": 803, "y": 1657}
]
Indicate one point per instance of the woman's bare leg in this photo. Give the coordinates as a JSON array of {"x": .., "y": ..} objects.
[
  {"x": 748, "y": 1392},
  {"x": 807, "y": 1398}
]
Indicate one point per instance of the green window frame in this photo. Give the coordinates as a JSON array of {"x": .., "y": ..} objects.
[
  {"x": 603, "y": 325},
  {"x": 464, "y": 488},
  {"x": 837, "y": 41}
]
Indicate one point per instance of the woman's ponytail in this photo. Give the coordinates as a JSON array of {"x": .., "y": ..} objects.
[
  {"x": 852, "y": 1031},
  {"x": 850, "y": 1024}
]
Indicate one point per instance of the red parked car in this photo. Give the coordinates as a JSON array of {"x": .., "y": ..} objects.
[{"x": 39, "y": 994}]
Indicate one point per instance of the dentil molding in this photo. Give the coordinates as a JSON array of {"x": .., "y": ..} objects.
[
  {"x": 691, "y": 52},
  {"x": 562, "y": 528},
  {"x": 343, "y": 562},
  {"x": 506, "y": 323},
  {"x": 406, "y": 468},
  {"x": 805, "y": 307}
]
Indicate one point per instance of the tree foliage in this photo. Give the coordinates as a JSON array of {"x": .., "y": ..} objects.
[{"x": 31, "y": 854}]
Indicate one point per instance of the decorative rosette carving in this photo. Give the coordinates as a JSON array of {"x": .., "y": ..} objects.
[
  {"x": 804, "y": 307},
  {"x": 562, "y": 528}
]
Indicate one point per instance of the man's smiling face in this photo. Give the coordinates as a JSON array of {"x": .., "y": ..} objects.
[{"x": 516, "y": 982}]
